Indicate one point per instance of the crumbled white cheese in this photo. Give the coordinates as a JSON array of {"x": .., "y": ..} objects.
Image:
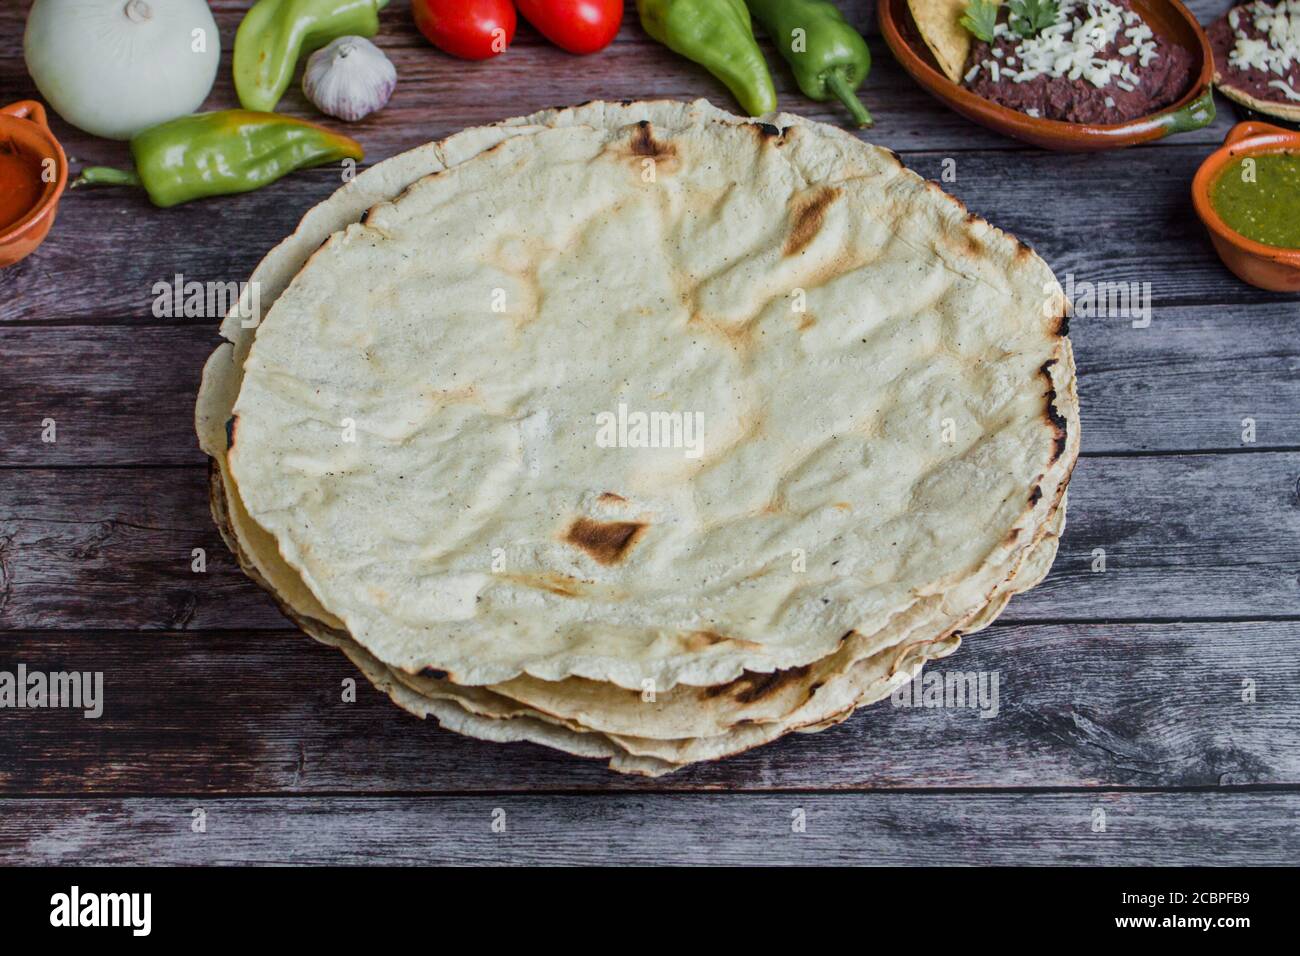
[
  {"x": 1286, "y": 89},
  {"x": 1075, "y": 46},
  {"x": 1280, "y": 24}
]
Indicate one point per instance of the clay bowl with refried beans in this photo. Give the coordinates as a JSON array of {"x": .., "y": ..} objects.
[{"x": 1169, "y": 19}]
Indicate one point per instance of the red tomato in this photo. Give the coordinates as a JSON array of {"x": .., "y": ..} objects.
[
  {"x": 579, "y": 26},
  {"x": 469, "y": 29}
]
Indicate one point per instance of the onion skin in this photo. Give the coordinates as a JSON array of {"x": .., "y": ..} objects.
[{"x": 116, "y": 67}]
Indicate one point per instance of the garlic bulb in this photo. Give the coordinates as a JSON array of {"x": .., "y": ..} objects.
[{"x": 350, "y": 78}]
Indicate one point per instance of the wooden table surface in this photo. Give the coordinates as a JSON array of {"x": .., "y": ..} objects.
[{"x": 1121, "y": 691}]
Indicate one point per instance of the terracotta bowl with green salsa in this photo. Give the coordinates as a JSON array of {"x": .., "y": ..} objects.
[{"x": 1248, "y": 195}]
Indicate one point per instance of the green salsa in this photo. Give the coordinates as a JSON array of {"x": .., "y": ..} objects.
[{"x": 1263, "y": 202}]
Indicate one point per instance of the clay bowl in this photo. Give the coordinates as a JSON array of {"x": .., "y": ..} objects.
[
  {"x": 1268, "y": 267},
  {"x": 23, "y": 127},
  {"x": 1168, "y": 18}
]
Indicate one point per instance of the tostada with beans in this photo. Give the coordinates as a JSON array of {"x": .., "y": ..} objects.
[{"x": 1256, "y": 49}]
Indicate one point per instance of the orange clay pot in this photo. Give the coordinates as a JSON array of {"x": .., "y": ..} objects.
[
  {"x": 1169, "y": 18},
  {"x": 25, "y": 135},
  {"x": 1269, "y": 267}
]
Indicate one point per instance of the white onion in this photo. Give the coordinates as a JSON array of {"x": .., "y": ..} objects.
[{"x": 116, "y": 67}]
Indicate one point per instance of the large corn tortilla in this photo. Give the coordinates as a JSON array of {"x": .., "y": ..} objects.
[
  {"x": 221, "y": 382},
  {"x": 822, "y": 435}
]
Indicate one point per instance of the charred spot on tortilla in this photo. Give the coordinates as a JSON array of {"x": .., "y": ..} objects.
[
  {"x": 1035, "y": 495},
  {"x": 808, "y": 215},
  {"x": 1063, "y": 324},
  {"x": 609, "y": 498},
  {"x": 752, "y": 686},
  {"x": 435, "y": 673},
  {"x": 607, "y": 542},
  {"x": 231, "y": 426},
  {"x": 769, "y": 131},
  {"x": 1053, "y": 415},
  {"x": 645, "y": 144}
]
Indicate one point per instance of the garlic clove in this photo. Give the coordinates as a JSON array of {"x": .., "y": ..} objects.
[{"x": 349, "y": 79}]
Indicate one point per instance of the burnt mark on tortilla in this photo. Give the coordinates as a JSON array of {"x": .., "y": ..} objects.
[
  {"x": 768, "y": 130},
  {"x": 1035, "y": 495},
  {"x": 898, "y": 159},
  {"x": 435, "y": 672},
  {"x": 1023, "y": 249},
  {"x": 232, "y": 425},
  {"x": 697, "y": 641},
  {"x": 1011, "y": 537},
  {"x": 1063, "y": 324},
  {"x": 606, "y": 541},
  {"x": 807, "y": 215},
  {"x": 1055, "y": 418},
  {"x": 609, "y": 498},
  {"x": 561, "y": 584},
  {"x": 645, "y": 144},
  {"x": 751, "y": 687}
]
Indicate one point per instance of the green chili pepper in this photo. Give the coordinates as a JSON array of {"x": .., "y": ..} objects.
[
  {"x": 214, "y": 154},
  {"x": 829, "y": 57},
  {"x": 275, "y": 33},
  {"x": 718, "y": 35}
]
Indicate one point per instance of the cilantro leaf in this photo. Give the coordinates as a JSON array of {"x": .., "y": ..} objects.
[
  {"x": 980, "y": 18},
  {"x": 1029, "y": 17}
]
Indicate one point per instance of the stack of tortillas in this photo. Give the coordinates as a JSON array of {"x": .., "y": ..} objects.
[{"x": 437, "y": 447}]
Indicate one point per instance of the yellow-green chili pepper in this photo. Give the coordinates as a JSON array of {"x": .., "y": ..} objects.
[
  {"x": 829, "y": 58},
  {"x": 275, "y": 33},
  {"x": 214, "y": 154},
  {"x": 718, "y": 35}
]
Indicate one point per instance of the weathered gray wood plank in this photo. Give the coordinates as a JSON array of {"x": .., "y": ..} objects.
[
  {"x": 1150, "y": 706},
  {"x": 896, "y": 829},
  {"x": 123, "y": 395},
  {"x": 1213, "y": 536}
]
